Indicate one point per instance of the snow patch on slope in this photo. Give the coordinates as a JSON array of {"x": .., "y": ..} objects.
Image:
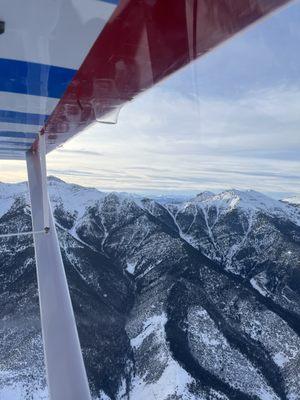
[
  {"x": 130, "y": 267},
  {"x": 152, "y": 324},
  {"x": 173, "y": 381},
  {"x": 259, "y": 283},
  {"x": 12, "y": 389}
]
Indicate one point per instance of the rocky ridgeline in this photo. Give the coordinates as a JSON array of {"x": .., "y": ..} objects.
[{"x": 193, "y": 300}]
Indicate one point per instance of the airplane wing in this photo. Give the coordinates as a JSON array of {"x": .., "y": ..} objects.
[
  {"x": 42, "y": 46},
  {"x": 66, "y": 64}
]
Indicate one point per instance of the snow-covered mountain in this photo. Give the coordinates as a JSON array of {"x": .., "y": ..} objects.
[
  {"x": 192, "y": 300},
  {"x": 293, "y": 200}
]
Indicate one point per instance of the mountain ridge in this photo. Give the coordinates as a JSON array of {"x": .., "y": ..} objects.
[
  {"x": 196, "y": 300},
  {"x": 233, "y": 197}
]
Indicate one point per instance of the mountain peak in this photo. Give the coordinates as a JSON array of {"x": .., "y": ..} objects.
[
  {"x": 293, "y": 200},
  {"x": 204, "y": 195},
  {"x": 250, "y": 200},
  {"x": 247, "y": 201},
  {"x": 52, "y": 178}
]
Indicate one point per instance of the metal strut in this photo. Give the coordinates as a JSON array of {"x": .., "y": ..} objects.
[
  {"x": 7, "y": 235},
  {"x": 66, "y": 375},
  {"x": 42, "y": 154}
]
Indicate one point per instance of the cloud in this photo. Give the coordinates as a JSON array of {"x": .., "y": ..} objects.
[
  {"x": 179, "y": 144},
  {"x": 79, "y": 152},
  {"x": 176, "y": 143},
  {"x": 230, "y": 120}
]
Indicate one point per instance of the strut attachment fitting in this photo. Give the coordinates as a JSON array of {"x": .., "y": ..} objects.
[{"x": 2, "y": 27}]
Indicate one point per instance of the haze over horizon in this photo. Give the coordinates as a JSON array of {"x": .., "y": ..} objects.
[
  {"x": 169, "y": 195},
  {"x": 230, "y": 120}
]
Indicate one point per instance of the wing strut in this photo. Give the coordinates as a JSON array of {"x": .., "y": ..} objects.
[{"x": 66, "y": 375}]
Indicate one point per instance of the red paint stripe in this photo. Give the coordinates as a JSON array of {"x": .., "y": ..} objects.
[{"x": 144, "y": 42}]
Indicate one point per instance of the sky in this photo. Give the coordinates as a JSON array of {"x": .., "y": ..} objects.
[{"x": 229, "y": 120}]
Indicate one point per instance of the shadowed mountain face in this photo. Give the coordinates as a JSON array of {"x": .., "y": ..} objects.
[{"x": 184, "y": 301}]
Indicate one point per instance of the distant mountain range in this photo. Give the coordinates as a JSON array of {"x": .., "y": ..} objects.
[{"x": 175, "y": 300}]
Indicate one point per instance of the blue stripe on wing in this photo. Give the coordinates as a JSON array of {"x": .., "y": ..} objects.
[
  {"x": 13, "y": 149},
  {"x": 33, "y": 78},
  {"x": 116, "y": 2},
  {"x": 14, "y": 144},
  {"x": 18, "y": 135},
  {"x": 16, "y": 117}
]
